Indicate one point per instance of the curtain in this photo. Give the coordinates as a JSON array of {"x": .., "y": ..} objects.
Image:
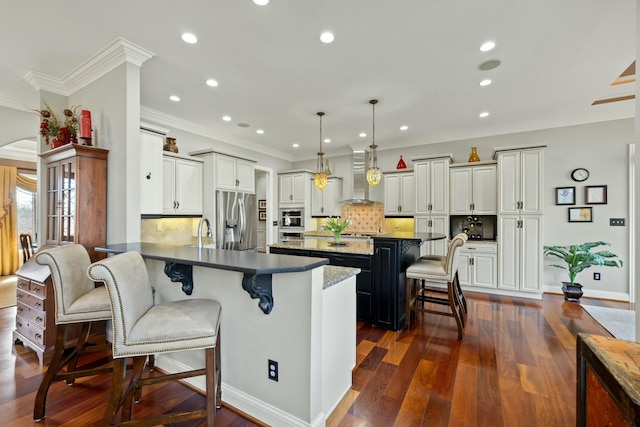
[
  {"x": 9, "y": 260},
  {"x": 26, "y": 183}
]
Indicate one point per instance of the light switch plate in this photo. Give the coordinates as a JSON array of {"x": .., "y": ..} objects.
[{"x": 616, "y": 222}]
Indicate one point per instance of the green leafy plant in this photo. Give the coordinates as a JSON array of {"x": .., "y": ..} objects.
[
  {"x": 580, "y": 257},
  {"x": 336, "y": 226}
]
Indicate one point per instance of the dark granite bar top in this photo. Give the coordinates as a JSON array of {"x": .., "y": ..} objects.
[{"x": 242, "y": 261}]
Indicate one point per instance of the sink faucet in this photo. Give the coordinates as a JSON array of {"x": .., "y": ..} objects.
[{"x": 205, "y": 220}]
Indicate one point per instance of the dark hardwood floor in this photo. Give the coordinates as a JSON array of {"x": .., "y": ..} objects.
[{"x": 515, "y": 367}]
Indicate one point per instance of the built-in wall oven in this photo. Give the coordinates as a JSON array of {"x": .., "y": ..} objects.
[{"x": 291, "y": 225}]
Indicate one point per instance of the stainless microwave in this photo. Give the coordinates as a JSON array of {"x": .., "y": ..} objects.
[{"x": 292, "y": 218}]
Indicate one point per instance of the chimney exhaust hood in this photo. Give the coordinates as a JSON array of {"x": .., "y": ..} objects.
[{"x": 360, "y": 184}]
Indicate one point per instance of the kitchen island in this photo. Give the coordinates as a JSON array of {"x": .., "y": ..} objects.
[
  {"x": 304, "y": 320},
  {"x": 383, "y": 260}
]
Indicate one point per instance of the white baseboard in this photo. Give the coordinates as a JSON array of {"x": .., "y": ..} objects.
[
  {"x": 590, "y": 293},
  {"x": 505, "y": 292},
  {"x": 240, "y": 400}
]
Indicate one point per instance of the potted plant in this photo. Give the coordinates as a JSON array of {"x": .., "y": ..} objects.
[
  {"x": 578, "y": 258},
  {"x": 336, "y": 227}
]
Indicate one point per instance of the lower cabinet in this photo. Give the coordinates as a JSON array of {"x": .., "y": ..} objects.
[
  {"x": 364, "y": 285},
  {"x": 478, "y": 265}
]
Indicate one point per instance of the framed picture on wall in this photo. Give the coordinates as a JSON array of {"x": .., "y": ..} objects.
[
  {"x": 583, "y": 214},
  {"x": 595, "y": 195},
  {"x": 262, "y": 215},
  {"x": 565, "y": 195},
  {"x": 262, "y": 204}
]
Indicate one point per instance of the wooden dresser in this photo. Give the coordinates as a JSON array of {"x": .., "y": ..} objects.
[
  {"x": 608, "y": 381},
  {"x": 76, "y": 203}
]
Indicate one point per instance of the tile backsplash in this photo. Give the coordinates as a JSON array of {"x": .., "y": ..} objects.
[{"x": 369, "y": 218}]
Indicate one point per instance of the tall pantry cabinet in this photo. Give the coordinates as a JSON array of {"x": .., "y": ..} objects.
[
  {"x": 520, "y": 207},
  {"x": 432, "y": 200}
]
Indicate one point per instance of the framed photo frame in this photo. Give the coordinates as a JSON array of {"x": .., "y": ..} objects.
[
  {"x": 581, "y": 214},
  {"x": 262, "y": 204},
  {"x": 262, "y": 215},
  {"x": 565, "y": 195},
  {"x": 595, "y": 195}
]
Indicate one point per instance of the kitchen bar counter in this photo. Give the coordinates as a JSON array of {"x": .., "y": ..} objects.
[{"x": 309, "y": 327}]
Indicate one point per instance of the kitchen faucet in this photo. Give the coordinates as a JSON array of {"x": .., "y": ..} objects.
[{"x": 205, "y": 220}]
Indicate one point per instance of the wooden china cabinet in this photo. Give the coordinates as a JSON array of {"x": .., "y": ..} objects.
[{"x": 76, "y": 203}]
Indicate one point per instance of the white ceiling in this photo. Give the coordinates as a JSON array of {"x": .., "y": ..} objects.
[{"x": 418, "y": 57}]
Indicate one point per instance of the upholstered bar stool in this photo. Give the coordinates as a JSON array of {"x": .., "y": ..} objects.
[
  {"x": 77, "y": 301},
  {"x": 431, "y": 277},
  {"x": 141, "y": 328}
]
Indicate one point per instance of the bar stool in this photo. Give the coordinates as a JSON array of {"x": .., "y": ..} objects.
[
  {"x": 432, "y": 276},
  {"x": 141, "y": 328},
  {"x": 77, "y": 301}
]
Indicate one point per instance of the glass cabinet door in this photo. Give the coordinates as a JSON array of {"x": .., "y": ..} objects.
[
  {"x": 53, "y": 203},
  {"x": 68, "y": 197}
]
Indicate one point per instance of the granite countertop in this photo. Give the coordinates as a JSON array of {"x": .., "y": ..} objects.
[
  {"x": 334, "y": 274},
  {"x": 242, "y": 261},
  {"x": 410, "y": 235},
  {"x": 364, "y": 247}
]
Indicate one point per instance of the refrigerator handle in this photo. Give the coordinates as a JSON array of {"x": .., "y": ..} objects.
[{"x": 241, "y": 223}]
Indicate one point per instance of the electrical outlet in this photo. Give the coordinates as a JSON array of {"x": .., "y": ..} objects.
[
  {"x": 272, "y": 367},
  {"x": 596, "y": 276},
  {"x": 616, "y": 222}
]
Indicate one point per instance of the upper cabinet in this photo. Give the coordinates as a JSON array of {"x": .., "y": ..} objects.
[
  {"x": 294, "y": 188},
  {"x": 326, "y": 202},
  {"x": 520, "y": 181},
  {"x": 399, "y": 194},
  {"x": 151, "y": 170},
  {"x": 182, "y": 191},
  {"x": 235, "y": 174},
  {"x": 473, "y": 190},
  {"x": 432, "y": 185}
]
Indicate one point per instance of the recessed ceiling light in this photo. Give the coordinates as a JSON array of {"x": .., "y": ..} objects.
[
  {"x": 326, "y": 37},
  {"x": 174, "y": 98},
  {"x": 483, "y": 114},
  {"x": 362, "y": 135},
  {"x": 485, "y": 82},
  {"x": 226, "y": 118},
  {"x": 212, "y": 83},
  {"x": 189, "y": 38},
  {"x": 487, "y": 46},
  {"x": 259, "y": 131},
  {"x": 327, "y": 141},
  {"x": 404, "y": 127},
  {"x": 295, "y": 145},
  {"x": 261, "y": 2}
]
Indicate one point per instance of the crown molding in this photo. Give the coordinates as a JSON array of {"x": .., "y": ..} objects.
[
  {"x": 187, "y": 126},
  {"x": 118, "y": 52},
  {"x": 16, "y": 103}
]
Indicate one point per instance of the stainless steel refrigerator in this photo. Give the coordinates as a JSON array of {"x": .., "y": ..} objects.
[{"x": 236, "y": 221}]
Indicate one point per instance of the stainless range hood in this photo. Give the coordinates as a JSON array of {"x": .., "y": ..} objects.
[{"x": 360, "y": 184}]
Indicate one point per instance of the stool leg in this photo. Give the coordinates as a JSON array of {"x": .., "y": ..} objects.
[
  {"x": 218, "y": 374},
  {"x": 119, "y": 371},
  {"x": 134, "y": 388},
  {"x": 408, "y": 304},
  {"x": 211, "y": 385},
  {"x": 80, "y": 345},
  {"x": 455, "y": 308},
  {"x": 52, "y": 370}
]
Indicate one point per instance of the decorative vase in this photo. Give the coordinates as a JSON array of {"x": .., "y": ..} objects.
[
  {"x": 170, "y": 145},
  {"x": 401, "y": 164},
  {"x": 572, "y": 292},
  {"x": 337, "y": 235},
  {"x": 474, "y": 155}
]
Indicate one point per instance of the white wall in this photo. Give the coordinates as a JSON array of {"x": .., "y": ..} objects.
[{"x": 600, "y": 147}]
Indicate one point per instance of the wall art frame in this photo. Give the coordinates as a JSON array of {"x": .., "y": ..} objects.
[
  {"x": 595, "y": 195},
  {"x": 580, "y": 214},
  {"x": 565, "y": 195}
]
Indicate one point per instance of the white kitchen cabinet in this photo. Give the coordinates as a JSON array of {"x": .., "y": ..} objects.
[
  {"x": 520, "y": 181},
  {"x": 181, "y": 185},
  {"x": 433, "y": 224},
  {"x": 478, "y": 265},
  {"x": 151, "y": 170},
  {"x": 520, "y": 252},
  {"x": 432, "y": 186},
  {"x": 399, "y": 194},
  {"x": 473, "y": 190},
  {"x": 326, "y": 202},
  {"x": 235, "y": 174},
  {"x": 294, "y": 189}
]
